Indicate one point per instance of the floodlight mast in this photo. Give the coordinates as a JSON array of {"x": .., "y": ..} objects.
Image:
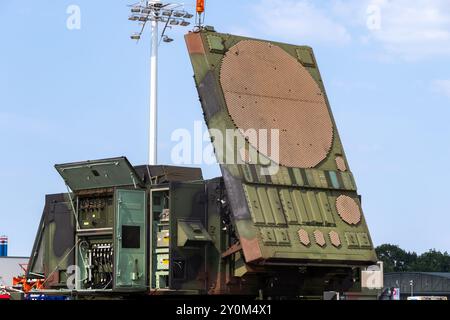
[
  {"x": 155, "y": 11},
  {"x": 153, "y": 131}
]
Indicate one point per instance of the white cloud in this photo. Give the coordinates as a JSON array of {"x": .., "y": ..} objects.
[
  {"x": 413, "y": 29},
  {"x": 408, "y": 29},
  {"x": 442, "y": 87},
  {"x": 300, "y": 21}
]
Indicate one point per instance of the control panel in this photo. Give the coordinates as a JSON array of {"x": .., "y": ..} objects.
[
  {"x": 96, "y": 212},
  {"x": 95, "y": 262},
  {"x": 160, "y": 239}
]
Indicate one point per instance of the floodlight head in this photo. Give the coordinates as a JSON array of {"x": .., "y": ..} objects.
[
  {"x": 179, "y": 14},
  {"x": 159, "y": 12},
  {"x": 135, "y": 36},
  {"x": 167, "y": 39}
]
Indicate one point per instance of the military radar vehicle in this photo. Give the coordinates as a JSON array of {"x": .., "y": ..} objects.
[{"x": 276, "y": 224}]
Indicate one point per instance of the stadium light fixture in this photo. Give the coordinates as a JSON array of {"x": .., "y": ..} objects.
[{"x": 156, "y": 12}]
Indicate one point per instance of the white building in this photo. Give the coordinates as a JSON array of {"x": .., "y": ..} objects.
[{"x": 10, "y": 267}]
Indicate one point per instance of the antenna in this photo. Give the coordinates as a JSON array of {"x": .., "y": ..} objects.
[{"x": 171, "y": 15}]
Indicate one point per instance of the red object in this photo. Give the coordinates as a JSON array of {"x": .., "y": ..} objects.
[
  {"x": 200, "y": 6},
  {"x": 28, "y": 285},
  {"x": 4, "y": 297}
]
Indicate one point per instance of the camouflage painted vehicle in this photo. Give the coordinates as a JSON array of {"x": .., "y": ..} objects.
[{"x": 283, "y": 224}]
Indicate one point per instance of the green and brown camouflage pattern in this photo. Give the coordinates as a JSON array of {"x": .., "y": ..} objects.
[
  {"x": 53, "y": 248},
  {"x": 268, "y": 212},
  {"x": 243, "y": 233}
]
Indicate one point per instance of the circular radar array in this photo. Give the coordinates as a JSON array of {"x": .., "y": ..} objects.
[
  {"x": 348, "y": 209},
  {"x": 266, "y": 88}
]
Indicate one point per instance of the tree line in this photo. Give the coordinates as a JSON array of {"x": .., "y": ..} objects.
[{"x": 396, "y": 259}]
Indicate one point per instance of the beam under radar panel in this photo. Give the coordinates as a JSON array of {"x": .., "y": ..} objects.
[{"x": 292, "y": 194}]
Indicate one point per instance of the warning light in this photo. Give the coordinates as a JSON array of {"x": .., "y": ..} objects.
[{"x": 200, "y": 6}]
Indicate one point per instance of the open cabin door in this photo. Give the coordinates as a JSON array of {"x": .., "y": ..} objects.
[
  {"x": 107, "y": 173},
  {"x": 130, "y": 240},
  {"x": 188, "y": 268}
]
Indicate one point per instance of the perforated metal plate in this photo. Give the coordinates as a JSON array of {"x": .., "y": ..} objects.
[
  {"x": 266, "y": 88},
  {"x": 334, "y": 238},
  {"x": 319, "y": 238},
  {"x": 340, "y": 163},
  {"x": 348, "y": 209},
  {"x": 304, "y": 237}
]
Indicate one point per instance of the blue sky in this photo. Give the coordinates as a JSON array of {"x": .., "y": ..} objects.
[{"x": 69, "y": 95}]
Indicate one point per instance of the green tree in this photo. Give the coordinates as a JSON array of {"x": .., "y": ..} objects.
[
  {"x": 394, "y": 258},
  {"x": 432, "y": 261}
]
